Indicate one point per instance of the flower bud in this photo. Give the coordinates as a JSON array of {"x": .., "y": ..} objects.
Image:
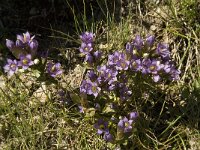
[{"x": 36, "y": 61}]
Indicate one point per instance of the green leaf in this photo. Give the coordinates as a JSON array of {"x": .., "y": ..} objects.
[
  {"x": 75, "y": 97},
  {"x": 90, "y": 112}
]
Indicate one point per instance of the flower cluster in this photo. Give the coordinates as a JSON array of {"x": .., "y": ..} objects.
[
  {"x": 138, "y": 57},
  {"x": 86, "y": 48},
  {"x": 12, "y": 66},
  {"x": 25, "y": 44},
  {"x": 24, "y": 49},
  {"x": 154, "y": 62},
  {"x": 108, "y": 87},
  {"x": 113, "y": 77}
]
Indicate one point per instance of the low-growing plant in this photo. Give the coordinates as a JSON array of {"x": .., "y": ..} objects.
[
  {"x": 116, "y": 84},
  {"x": 116, "y": 81}
]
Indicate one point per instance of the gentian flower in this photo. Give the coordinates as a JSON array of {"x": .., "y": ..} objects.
[
  {"x": 150, "y": 40},
  {"x": 54, "y": 69},
  {"x": 114, "y": 58},
  {"x": 33, "y": 44},
  {"x": 122, "y": 64},
  {"x": 25, "y": 44},
  {"x": 163, "y": 50},
  {"x": 154, "y": 66},
  {"x": 94, "y": 89},
  {"x": 92, "y": 75},
  {"x": 129, "y": 48},
  {"x": 138, "y": 42},
  {"x": 89, "y": 58},
  {"x": 80, "y": 109},
  {"x": 106, "y": 74},
  {"x": 111, "y": 75},
  {"x": 87, "y": 37},
  {"x": 125, "y": 125},
  {"x": 135, "y": 64},
  {"x": 25, "y": 61},
  {"x": 108, "y": 137},
  {"x": 101, "y": 126},
  {"x": 156, "y": 78},
  {"x": 15, "y": 48},
  {"x": 25, "y": 38},
  {"x": 145, "y": 65},
  {"x": 97, "y": 55},
  {"x": 133, "y": 115},
  {"x": 86, "y": 48},
  {"x": 11, "y": 67},
  {"x": 167, "y": 67},
  {"x": 10, "y": 44},
  {"x": 174, "y": 74},
  {"x": 85, "y": 86}
]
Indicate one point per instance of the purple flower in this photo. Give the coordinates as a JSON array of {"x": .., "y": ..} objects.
[
  {"x": 92, "y": 75},
  {"x": 129, "y": 48},
  {"x": 167, "y": 67},
  {"x": 97, "y": 55},
  {"x": 145, "y": 65},
  {"x": 138, "y": 42},
  {"x": 150, "y": 40},
  {"x": 54, "y": 69},
  {"x": 175, "y": 74},
  {"x": 86, "y": 48},
  {"x": 11, "y": 67},
  {"x": 10, "y": 44},
  {"x": 101, "y": 126},
  {"x": 122, "y": 64},
  {"x": 25, "y": 61},
  {"x": 133, "y": 115},
  {"x": 125, "y": 125},
  {"x": 112, "y": 85},
  {"x": 106, "y": 74},
  {"x": 102, "y": 70},
  {"x": 25, "y": 38},
  {"x": 85, "y": 86},
  {"x": 15, "y": 48},
  {"x": 94, "y": 89},
  {"x": 87, "y": 37},
  {"x": 135, "y": 64},
  {"x": 89, "y": 58},
  {"x": 25, "y": 44},
  {"x": 154, "y": 66},
  {"x": 156, "y": 78},
  {"x": 163, "y": 50},
  {"x": 108, "y": 137},
  {"x": 33, "y": 44},
  {"x": 80, "y": 109},
  {"x": 114, "y": 58}
]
